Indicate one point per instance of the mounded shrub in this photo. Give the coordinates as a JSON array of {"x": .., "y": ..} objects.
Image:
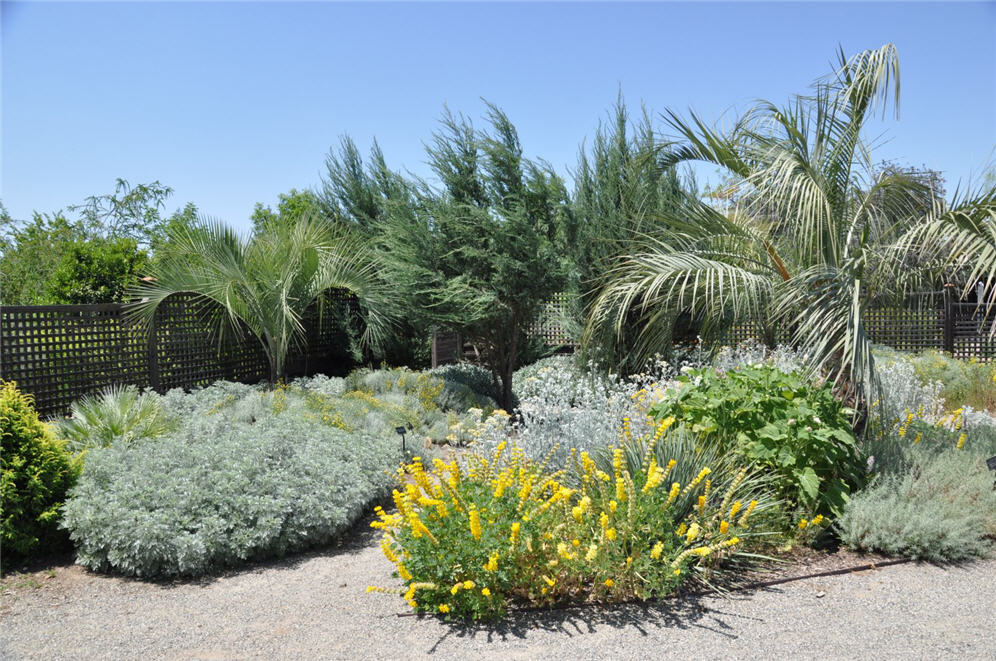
[
  {"x": 473, "y": 378},
  {"x": 940, "y": 508},
  {"x": 470, "y": 541},
  {"x": 248, "y": 478},
  {"x": 35, "y": 472}
]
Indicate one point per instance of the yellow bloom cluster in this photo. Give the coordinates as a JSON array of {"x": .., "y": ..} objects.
[{"x": 511, "y": 527}]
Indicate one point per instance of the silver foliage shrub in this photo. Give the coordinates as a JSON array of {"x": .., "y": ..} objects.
[
  {"x": 242, "y": 481},
  {"x": 940, "y": 508}
]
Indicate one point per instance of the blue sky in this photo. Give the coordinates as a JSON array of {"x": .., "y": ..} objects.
[{"x": 233, "y": 103}]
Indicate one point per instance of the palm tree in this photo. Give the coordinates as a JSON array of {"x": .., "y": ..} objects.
[
  {"x": 815, "y": 233},
  {"x": 266, "y": 282}
]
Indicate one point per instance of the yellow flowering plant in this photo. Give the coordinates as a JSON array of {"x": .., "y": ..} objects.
[{"x": 471, "y": 539}]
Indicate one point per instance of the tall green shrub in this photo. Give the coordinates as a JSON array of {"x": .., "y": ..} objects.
[{"x": 35, "y": 472}]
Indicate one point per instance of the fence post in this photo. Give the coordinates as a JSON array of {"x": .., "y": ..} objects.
[
  {"x": 949, "y": 321},
  {"x": 152, "y": 351}
]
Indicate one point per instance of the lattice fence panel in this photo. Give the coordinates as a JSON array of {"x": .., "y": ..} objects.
[{"x": 59, "y": 353}]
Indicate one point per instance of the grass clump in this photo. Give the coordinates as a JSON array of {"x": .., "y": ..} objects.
[{"x": 118, "y": 414}]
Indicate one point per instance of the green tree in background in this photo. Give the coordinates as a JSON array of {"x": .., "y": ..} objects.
[
  {"x": 361, "y": 195},
  {"x": 291, "y": 206},
  {"x": 481, "y": 253},
  {"x": 29, "y": 253},
  {"x": 94, "y": 258},
  {"x": 621, "y": 191},
  {"x": 97, "y": 271}
]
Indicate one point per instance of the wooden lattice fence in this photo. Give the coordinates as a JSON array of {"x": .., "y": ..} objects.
[
  {"x": 934, "y": 320},
  {"x": 59, "y": 353}
]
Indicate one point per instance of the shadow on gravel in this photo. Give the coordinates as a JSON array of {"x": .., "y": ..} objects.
[{"x": 678, "y": 613}]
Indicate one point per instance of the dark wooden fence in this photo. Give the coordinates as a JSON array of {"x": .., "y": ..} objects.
[
  {"x": 59, "y": 353},
  {"x": 934, "y": 320}
]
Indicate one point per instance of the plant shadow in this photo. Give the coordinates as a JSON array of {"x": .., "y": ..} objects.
[{"x": 686, "y": 612}]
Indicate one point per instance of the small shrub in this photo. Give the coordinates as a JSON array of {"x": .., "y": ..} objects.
[
  {"x": 939, "y": 508},
  {"x": 794, "y": 429},
  {"x": 470, "y": 541},
  {"x": 35, "y": 472},
  {"x": 118, "y": 415},
  {"x": 250, "y": 479},
  {"x": 477, "y": 379}
]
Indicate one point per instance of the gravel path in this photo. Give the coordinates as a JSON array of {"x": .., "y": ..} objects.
[{"x": 315, "y": 607}]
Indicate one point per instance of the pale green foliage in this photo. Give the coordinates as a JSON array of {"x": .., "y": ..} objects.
[
  {"x": 940, "y": 508},
  {"x": 118, "y": 414}
]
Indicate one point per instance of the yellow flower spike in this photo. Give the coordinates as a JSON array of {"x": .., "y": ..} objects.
[
  {"x": 677, "y": 572},
  {"x": 475, "y": 522},
  {"x": 613, "y": 506},
  {"x": 514, "y": 537},
  {"x": 919, "y": 436},
  {"x": 701, "y": 507},
  {"x": 817, "y": 520},
  {"x": 592, "y": 552},
  {"x": 486, "y": 592},
  {"x": 575, "y": 542},
  {"x": 403, "y": 573},
  {"x": 389, "y": 553},
  {"x": 468, "y": 585},
  {"x": 724, "y": 527},
  {"x": 655, "y": 552},
  {"x": 681, "y": 529},
  {"x": 609, "y": 583},
  {"x": 549, "y": 581},
  {"x": 708, "y": 487},
  {"x": 617, "y": 459},
  {"x": 675, "y": 490},
  {"x": 693, "y": 532},
  {"x": 492, "y": 564},
  {"x": 750, "y": 508},
  {"x": 603, "y": 520},
  {"x": 736, "y": 508},
  {"x": 611, "y": 534},
  {"x": 455, "y": 588},
  {"x": 577, "y": 513},
  {"x": 961, "y": 440},
  {"x": 629, "y": 561},
  {"x": 802, "y": 524}
]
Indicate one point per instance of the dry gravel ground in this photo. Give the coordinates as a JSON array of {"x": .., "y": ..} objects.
[{"x": 315, "y": 607}]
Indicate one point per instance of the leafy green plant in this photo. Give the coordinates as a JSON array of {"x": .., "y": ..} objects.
[
  {"x": 35, "y": 473},
  {"x": 796, "y": 430},
  {"x": 471, "y": 541},
  {"x": 937, "y": 506},
  {"x": 120, "y": 414}
]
